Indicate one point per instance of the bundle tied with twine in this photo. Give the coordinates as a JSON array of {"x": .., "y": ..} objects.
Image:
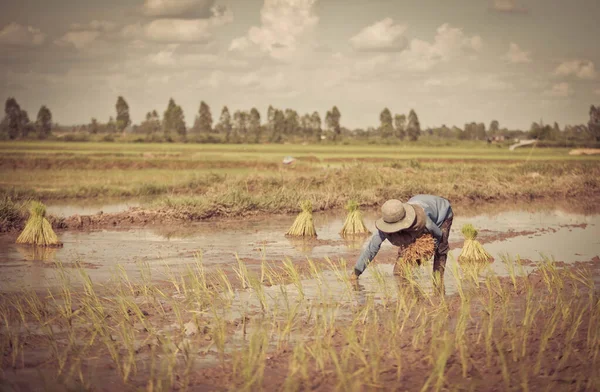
[
  {"x": 420, "y": 250},
  {"x": 38, "y": 231},
  {"x": 303, "y": 225},
  {"x": 472, "y": 251},
  {"x": 354, "y": 224}
]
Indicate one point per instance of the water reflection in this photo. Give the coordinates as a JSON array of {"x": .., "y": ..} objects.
[{"x": 37, "y": 253}]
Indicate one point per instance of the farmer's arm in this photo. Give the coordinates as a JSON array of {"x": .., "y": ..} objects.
[{"x": 369, "y": 253}]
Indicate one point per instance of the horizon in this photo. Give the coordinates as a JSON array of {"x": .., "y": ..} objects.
[{"x": 454, "y": 62}]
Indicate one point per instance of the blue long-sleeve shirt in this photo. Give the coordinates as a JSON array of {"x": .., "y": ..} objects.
[{"x": 437, "y": 210}]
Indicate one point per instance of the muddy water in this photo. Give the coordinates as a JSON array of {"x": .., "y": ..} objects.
[
  {"x": 565, "y": 236},
  {"x": 65, "y": 208}
]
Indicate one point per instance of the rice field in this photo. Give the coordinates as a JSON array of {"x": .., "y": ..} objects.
[
  {"x": 226, "y": 304},
  {"x": 280, "y": 329}
]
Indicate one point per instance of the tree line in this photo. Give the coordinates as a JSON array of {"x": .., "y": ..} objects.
[{"x": 280, "y": 125}]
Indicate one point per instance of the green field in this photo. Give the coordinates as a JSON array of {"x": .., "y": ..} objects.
[{"x": 209, "y": 180}]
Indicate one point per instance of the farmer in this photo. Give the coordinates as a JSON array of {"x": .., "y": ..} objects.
[{"x": 402, "y": 223}]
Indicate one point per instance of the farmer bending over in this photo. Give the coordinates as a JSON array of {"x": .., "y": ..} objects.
[{"x": 402, "y": 223}]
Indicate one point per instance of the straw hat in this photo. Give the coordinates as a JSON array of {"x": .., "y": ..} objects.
[{"x": 395, "y": 216}]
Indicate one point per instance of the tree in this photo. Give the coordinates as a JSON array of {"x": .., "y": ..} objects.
[
  {"x": 594, "y": 123},
  {"x": 413, "y": 129},
  {"x": 94, "y": 126},
  {"x": 123, "y": 119},
  {"x": 400, "y": 126},
  {"x": 12, "y": 111},
  {"x": 386, "y": 129},
  {"x": 204, "y": 120},
  {"x": 480, "y": 132},
  {"x": 151, "y": 124},
  {"x": 278, "y": 126},
  {"x": 316, "y": 125},
  {"x": 225, "y": 123},
  {"x": 332, "y": 121},
  {"x": 254, "y": 125},
  {"x": 111, "y": 126},
  {"x": 306, "y": 125},
  {"x": 25, "y": 126},
  {"x": 44, "y": 122},
  {"x": 240, "y": 126},
  {"x": 494, "y": 128},
  {"x": 292, "y": 122},
  {"x": 173, "y": 119}
]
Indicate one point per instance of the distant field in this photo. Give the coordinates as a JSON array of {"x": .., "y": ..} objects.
[
  {"x": 241, "y": 178},
  {"x": 275, "y": 152}
]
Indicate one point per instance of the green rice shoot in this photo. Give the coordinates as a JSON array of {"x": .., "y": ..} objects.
[
  {"x": 303, "y": 225},
  {"x": 38, "y": 231},
  {"x": 354, "y": 224},
  {"x": 473, "y": 251}
]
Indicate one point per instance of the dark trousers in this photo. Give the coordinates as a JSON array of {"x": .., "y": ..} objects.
[{"x": 441, "y": 253}]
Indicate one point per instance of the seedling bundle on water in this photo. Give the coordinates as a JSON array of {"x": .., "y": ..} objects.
[
  {"x": 354, "y": 224},
  {"x": 38, "y": 231},
  {"x": 303, "y": 225},
  {"x": 472, "y": 251}
]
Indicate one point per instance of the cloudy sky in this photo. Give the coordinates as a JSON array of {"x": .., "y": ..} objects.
[{"x": 453, "y": 61}]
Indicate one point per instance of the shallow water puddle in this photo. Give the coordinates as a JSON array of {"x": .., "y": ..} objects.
[
  {"x": 565, "y": 236},
  {"x": 90, "y": 207}
]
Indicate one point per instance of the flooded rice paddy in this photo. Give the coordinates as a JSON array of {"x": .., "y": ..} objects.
[{"x": 530, "y": 234}]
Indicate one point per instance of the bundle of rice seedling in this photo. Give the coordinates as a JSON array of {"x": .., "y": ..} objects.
[
  {"x": 421, "y": 250},
  {"x": 472, "y": 251},
  {"x": 38, "y": 231},
  {"x": 354, "y": 224},
  {"x": 303, "y": 225}
]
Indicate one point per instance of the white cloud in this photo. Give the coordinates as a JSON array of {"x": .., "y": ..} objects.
[
  {"x": 163, "y": 58},
  {"x": 449, "y": 42},
  {"x": 178, "y": 8},
  {"x": 507, "y": 6},
  {"x": 180, "y": 30},
  {"x": 95, "y": 25},
  {"x": 383, "y": 35},
  {"x": 583, "y": 69},
  {"x": 516, "y": 55},
  {"x": 453, "y": 81},
  {"x": 78, "y": 39},
  {"x": 483, "y": 82},
  {"x": 492, "y": 82},
  {"x": 18, "y": 35},
  {"x": 283, "y": 24},
  {"x": 560, "y": 90}
]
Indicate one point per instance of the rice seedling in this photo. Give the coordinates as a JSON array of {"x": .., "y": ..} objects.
[
  {"x": 303, "y": 226},
  {"x": 420, "y": 251},
  {"x": 38, "y": 231},
  {"x": 472, "y": 251},
  {"x": 354, "y": 224}
]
